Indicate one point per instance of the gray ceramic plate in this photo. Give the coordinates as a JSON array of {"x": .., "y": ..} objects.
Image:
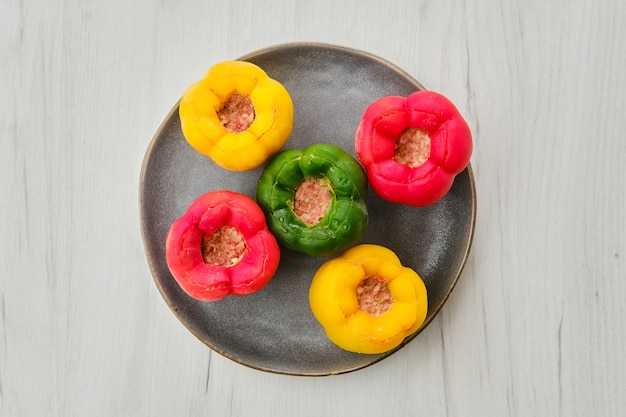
[{"x": 274, "y": 330}]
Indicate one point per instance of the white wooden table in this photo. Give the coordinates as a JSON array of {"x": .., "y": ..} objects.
[{"x": 537, "y": 323}]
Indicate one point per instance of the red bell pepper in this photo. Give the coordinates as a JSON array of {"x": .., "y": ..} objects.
[
  {"x": 441, "y": 145},
  {"x": 222, "y": 246}
]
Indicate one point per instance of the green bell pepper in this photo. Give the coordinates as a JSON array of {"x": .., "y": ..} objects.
[{"x": 314, "y": 199}]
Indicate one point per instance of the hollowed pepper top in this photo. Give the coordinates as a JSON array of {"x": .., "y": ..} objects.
[
  {"x": 236, "y": 115},
  {"x": 413, "y": 147}
]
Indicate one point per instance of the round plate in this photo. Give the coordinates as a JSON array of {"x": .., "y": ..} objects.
[{"x": 274, "y": 329}]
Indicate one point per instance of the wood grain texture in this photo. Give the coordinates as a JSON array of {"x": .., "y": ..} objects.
[{"x": 536, "y": 326}]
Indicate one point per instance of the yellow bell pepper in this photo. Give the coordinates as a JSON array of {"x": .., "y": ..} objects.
[
  {"x": 367, "y": 301},
  {"x": 236, "y": 115}
]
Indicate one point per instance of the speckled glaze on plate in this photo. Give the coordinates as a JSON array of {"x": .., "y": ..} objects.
[{"x": 274, "y": 329}]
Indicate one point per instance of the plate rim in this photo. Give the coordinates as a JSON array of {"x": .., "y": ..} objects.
[{"x": 151, "y": 263}]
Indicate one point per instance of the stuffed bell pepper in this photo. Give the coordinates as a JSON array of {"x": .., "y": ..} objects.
[
  {"x": 366, "y": 301},
  {"x": 314, "y": 199},
  {"x": 221, "y": 246},
  {"x": 413, "y": 147},
  {"x": 236, "y": 115}
]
